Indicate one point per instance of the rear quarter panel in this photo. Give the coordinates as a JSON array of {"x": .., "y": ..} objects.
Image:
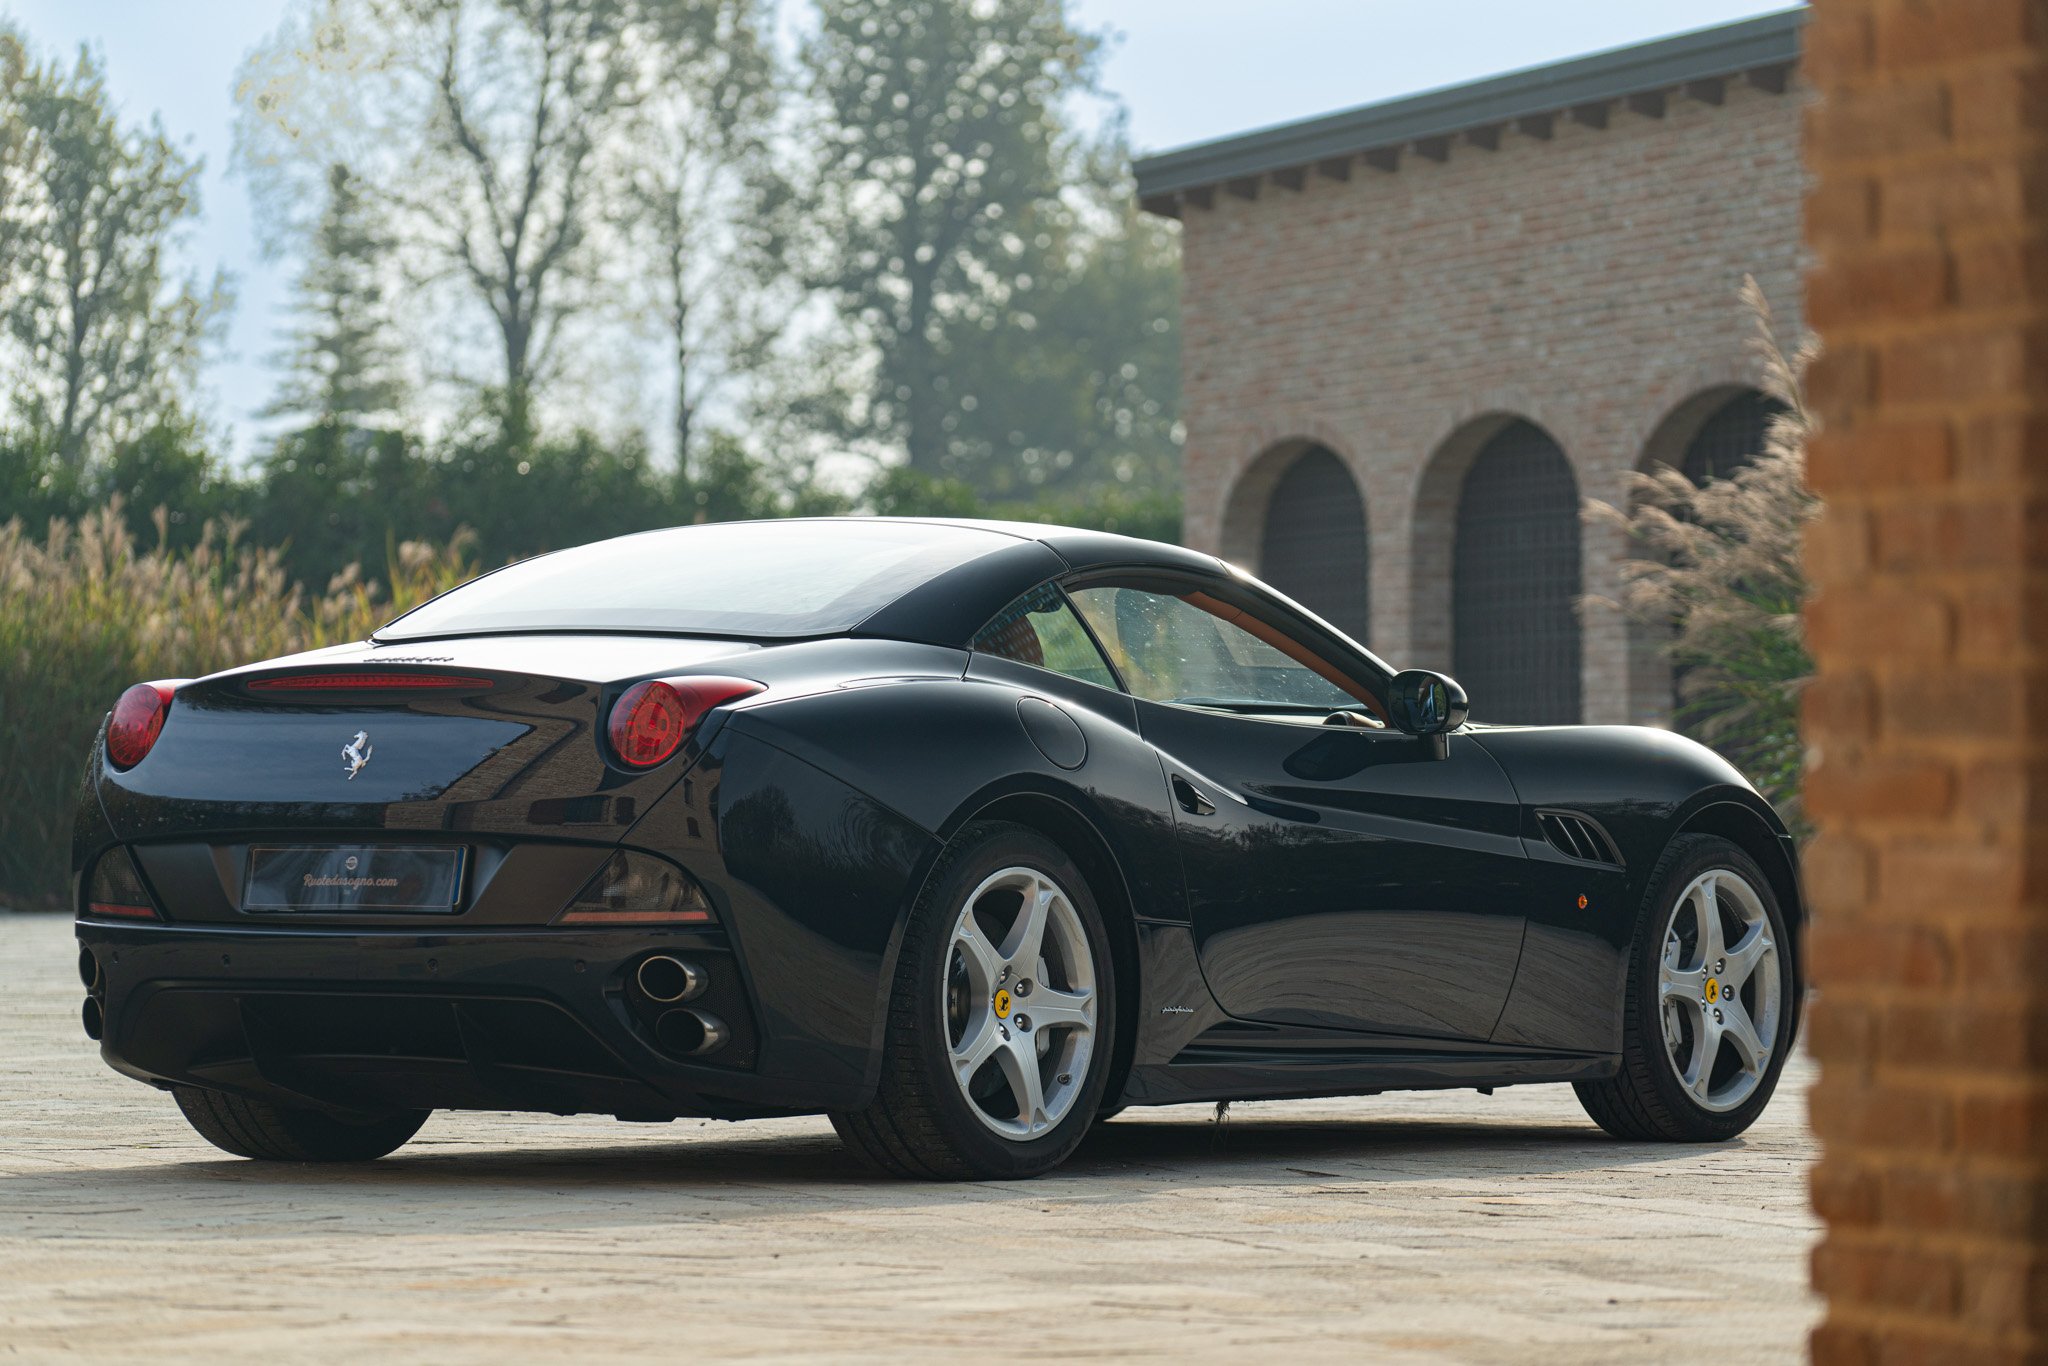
[{"x": 830, "y": 809}]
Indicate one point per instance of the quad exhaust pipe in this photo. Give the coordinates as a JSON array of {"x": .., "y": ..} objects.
[
  {"x": 690, "y": 1033},
  {"x": 666, "y": 980},
  {"x": 92, "y": 1015},
  {"x": 662, "y": 981}
]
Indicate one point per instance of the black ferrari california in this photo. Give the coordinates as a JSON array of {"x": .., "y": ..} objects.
[{"x": 966, "y": 834}]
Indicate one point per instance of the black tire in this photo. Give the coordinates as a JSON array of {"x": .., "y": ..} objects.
[
  {"x": 1645, "y": 1101},
  {"x": 919, "y": 1125},
  {"x": 274, "y": 1133}
]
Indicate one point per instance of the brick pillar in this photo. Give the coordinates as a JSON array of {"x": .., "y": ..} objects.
[{"x": 1928, "y": 723}]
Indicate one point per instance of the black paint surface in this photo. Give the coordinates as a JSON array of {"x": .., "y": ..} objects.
[{"x": 1301, "y": 909}]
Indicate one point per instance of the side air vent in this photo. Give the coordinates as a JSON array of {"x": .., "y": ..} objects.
[{"x": 1578, "y": 837}]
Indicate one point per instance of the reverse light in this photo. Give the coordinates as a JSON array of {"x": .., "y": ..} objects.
[
  {"x": 651, "y": 720},
  {"x": 138, "y": 719},
  {"x": 115, "y": 890},
  {"x": 638, "y": 889}
]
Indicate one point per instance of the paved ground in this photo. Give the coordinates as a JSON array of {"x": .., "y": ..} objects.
[{"x": 1431, "y": 1228}]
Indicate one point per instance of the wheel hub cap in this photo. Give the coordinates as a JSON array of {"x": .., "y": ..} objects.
[
  {"x": 1720, "y": 989},
  {"x": 1018, "y": 938}
]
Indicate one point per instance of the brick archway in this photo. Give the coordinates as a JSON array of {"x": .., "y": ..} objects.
[
  {"x": 1682, "y": 423},
  {"x": 1497, "y": 568},
  {"x": 1314, "y": 544},
  {"x": 1676, "y": 443},
  {"x": 1241, "y": 518}
]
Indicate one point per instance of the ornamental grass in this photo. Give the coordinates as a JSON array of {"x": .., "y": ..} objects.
[
  {"x": 1717, "y": 575},
  {"x": 87, "y": 609}
]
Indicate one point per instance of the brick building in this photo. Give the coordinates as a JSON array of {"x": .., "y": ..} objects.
[{"x": 1419, "y": 333}]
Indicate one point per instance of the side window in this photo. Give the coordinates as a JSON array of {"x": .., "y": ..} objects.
[
  {"x": 1197, "y": 650},
  {"x": 1039, "y": 629}
]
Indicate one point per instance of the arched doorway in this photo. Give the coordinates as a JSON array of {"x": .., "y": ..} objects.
[
  {"x": 1714, "y": 434},
  {"x": 1313, "y": 547},
  {"x": 1731, "y": 437},
  {"x": 1515, "y": 581}
]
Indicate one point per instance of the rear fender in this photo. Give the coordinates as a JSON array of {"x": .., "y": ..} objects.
[
  {"x": 930, "y": 757},
  {"x": 937, "y": 751}
]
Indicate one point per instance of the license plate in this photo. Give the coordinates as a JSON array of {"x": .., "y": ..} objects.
[{"x": 354, "y": 877}]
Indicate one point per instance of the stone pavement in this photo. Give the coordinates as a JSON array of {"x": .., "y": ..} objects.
[{"x": 1445, "y": 1227}]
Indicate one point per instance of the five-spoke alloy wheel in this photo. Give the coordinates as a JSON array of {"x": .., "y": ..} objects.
[
  {"x": 1720, "y": 990},
  {"x": 1711, "y": 1001},
  {"x": 1020, "y": 1002},
  {"x": 1002, "y": 1020}
]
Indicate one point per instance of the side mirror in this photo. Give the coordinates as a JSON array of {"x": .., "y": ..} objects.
[{"x": 1431, "y": 705}]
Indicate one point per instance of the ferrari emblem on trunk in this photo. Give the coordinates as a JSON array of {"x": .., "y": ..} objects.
[{"x": 356, "y": 753}]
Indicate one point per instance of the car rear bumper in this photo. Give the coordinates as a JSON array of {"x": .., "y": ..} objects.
[{"x": 353, "y": 1020}]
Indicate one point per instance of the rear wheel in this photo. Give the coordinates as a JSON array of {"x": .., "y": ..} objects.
[
  {"x": 276, "y": 1133},
  {"x": 1001, "y": 1020},
  {"x": 1708, "y": 1017}
]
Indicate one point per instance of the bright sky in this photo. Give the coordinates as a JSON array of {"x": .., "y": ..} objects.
[{"x": 1189, "y": 70}]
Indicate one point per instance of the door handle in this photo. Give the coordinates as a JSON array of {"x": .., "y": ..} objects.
[{"x": 1191, "y": 799}]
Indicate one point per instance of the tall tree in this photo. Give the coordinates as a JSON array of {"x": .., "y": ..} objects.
[
  {"x": 14, "y": 169},
  {"x": 1073, "y": 385},
  {"x": 940, "y": 139},
  {"x": 492, "y": 131},
  {"x": 105, "y": 339},
  {"x": 710, "y": 205},
  {"x": 341, "y": 367}
]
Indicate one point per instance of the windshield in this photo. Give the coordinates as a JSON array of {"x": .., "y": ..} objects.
[{"x": 788, "y": 578}]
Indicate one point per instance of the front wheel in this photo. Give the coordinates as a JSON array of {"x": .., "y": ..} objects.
[
  {"x": 1707, "y": 1021},
  {"x": 1001, "y": 1020},
  {"x": 278, "y": 1133}
]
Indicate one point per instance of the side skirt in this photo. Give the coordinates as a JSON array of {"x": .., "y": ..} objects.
[{"x": 1240, "y": 1062}]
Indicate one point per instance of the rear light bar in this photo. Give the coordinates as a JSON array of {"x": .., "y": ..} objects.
[
  {"x": 365, "y": 682},
  {"x": 651, "y": 720}
]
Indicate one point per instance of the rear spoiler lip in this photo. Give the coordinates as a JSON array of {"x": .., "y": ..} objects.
[{"x": 374, "y": 656}]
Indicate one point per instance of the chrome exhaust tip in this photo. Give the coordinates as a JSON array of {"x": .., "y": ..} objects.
[
  {"x": 88, "y": 968},
  {"x": 94, "y": 1021},
  {"x": 690, "y": 1033},
  {"x": 666, "y": 980}
]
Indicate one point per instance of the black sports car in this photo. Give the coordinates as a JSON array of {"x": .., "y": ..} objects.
[{"x": 965, "y": 834}]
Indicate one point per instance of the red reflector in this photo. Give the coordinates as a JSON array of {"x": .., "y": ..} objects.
[
  {"x": 650, "y": 720},
  {"x": 138, "y": 719},
  {"x": 339, "y": 682},
  {"x": 108, "y": 909},
  {"x": 596, "y": 917}
]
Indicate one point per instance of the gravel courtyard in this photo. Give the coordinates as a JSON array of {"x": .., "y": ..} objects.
[{"x": 1422, "y": 1228}]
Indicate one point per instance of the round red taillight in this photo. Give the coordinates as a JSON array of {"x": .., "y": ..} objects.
[
  {"x": 138, "y": 719},
  {"x": 651, "y": 720}
]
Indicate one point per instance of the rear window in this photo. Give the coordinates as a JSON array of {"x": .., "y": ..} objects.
[{"x": 793, "y": 578}]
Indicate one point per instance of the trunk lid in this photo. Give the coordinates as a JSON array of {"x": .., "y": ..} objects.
[{"x": 502, "y": 735}]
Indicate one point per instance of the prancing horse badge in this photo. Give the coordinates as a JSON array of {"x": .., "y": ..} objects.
[{"x": 356, "y": 753}]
